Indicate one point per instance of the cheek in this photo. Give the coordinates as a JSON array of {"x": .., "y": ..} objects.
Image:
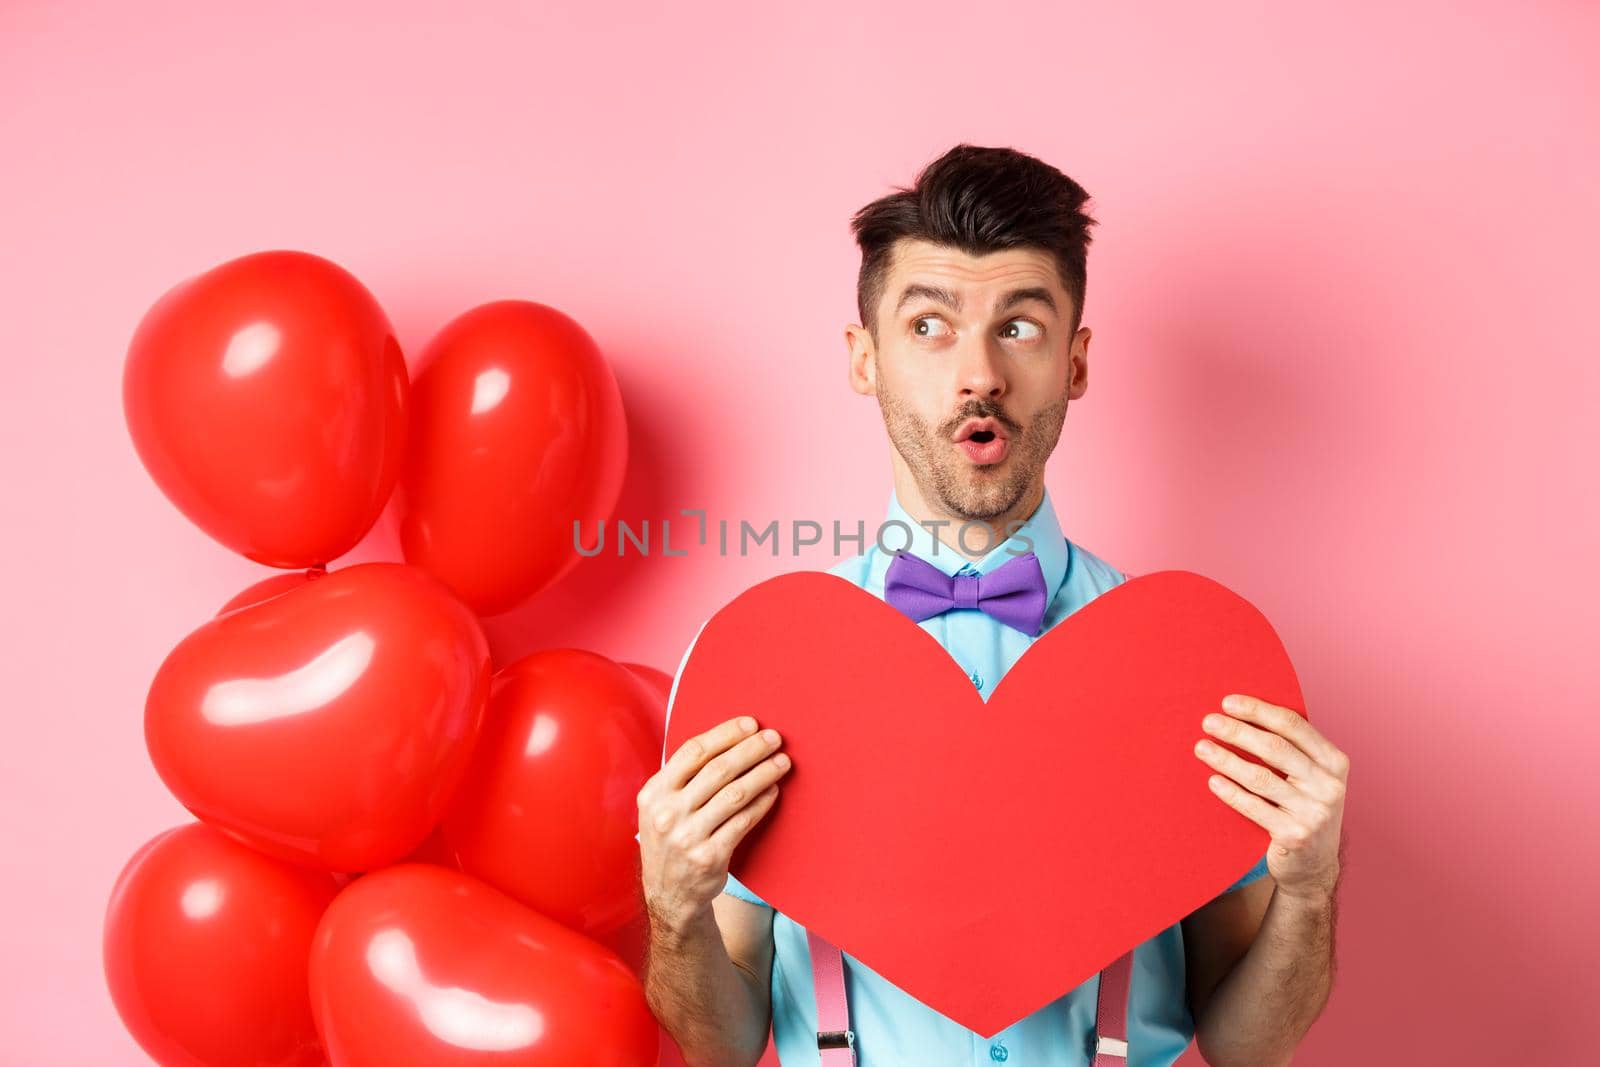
[
  {"x": 917, "y": 395},
  {"x": 1039, "y": 392}
]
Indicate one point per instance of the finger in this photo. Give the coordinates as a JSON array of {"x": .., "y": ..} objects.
[
  {"x": 1289, "y": 723},
  {"x": 1305, "y": 774},
  {"x": 722, "y": 769},
  {"x": 693, "y": 754},
  {"x": 1272, "y": 818},
  {"x": 741, "y": 822},
  {"x": 1277, "y": 750},
  {"x": 1253, "y": 776},
  {"x": 737, "y": 793}
]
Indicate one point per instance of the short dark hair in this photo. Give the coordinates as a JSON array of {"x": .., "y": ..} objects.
[{"x": 979, "y": 200}]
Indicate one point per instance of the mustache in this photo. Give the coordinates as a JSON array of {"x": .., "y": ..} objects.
[{"x": 981, "y": 410}]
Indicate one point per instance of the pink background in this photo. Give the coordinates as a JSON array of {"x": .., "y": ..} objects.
[{"x": 1344, "y": 361}]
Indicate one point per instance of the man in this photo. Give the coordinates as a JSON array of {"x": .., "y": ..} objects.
[{"x": 971, "y": 294}]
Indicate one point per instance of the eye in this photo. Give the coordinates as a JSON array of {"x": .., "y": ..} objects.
[
  {"x": 1038, "y": 331},
  {"x": 916, "y": 325}
]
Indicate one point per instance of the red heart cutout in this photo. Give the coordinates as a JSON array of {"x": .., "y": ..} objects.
[{"x": 988, "y": 857}]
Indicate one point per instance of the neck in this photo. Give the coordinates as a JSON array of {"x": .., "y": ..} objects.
[{"x": 925, "y": 511}]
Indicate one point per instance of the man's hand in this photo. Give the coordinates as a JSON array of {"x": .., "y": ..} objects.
[
  {"x": 1302, "y": 811},
  {"x": 696, "y": 809},
  {"x": 692, "y": 813}
]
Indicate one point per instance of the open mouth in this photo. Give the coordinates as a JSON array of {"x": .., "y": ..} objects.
[{"x": 983, "y": 441}]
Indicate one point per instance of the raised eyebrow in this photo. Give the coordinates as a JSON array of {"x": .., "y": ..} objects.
[
  {"x": 951, "y": 300},
  {"x": 1033, "y": 292},
  {"x": 939, "y": 294}
]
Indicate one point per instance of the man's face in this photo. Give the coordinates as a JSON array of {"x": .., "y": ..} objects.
[{"x": 972, "y": 367}]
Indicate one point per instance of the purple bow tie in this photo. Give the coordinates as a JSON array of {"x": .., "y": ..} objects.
[{"x": 1013, "y": 593}]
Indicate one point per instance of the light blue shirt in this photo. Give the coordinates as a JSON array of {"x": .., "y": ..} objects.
[{"x": 894, "y": 1030}]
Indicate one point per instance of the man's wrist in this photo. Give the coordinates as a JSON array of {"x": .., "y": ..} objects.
[
  {"x": 1317, "y": 897},
  {"x": 674, "y": 931}
]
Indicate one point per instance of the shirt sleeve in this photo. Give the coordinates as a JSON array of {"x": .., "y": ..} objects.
[
  {"x": 1249, "y": 876},
  {"x": 736, "y": 888}
]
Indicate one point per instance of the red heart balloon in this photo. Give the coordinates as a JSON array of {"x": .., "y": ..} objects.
[
  {"x": 517, "y": 432},
  {"x": 329, "y": 724},
  {"x": 206, "y": 947},
  {"x": 548, "y": 810},
  {"x": 267, "y": 398},
  {"x": 267, "y": 588},
  {"x": 1073, "y": 796},
  {"x": 434, "y": 849},
  {"x": 419, "y": 965}
]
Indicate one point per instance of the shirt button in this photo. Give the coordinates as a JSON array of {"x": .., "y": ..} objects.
[
  {"x": 977, "y": 680},
  {"x": 998, "y": 1053}
]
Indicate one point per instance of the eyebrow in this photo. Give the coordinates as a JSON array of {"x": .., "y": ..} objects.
[{"x": 951, "y": 300}]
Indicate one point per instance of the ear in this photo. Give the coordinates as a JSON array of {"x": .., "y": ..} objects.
[
  {"x": 863, "y": 371},
  {"x": 1078, "y": 365}
]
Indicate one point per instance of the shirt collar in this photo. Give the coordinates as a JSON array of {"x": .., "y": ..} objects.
[{"x": 1042, "y": 529}]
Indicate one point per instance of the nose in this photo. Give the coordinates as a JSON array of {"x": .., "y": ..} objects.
[{"x": 981, "y": 374}]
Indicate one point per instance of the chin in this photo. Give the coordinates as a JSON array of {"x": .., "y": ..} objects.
[{"x": 981, "y": 506}]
